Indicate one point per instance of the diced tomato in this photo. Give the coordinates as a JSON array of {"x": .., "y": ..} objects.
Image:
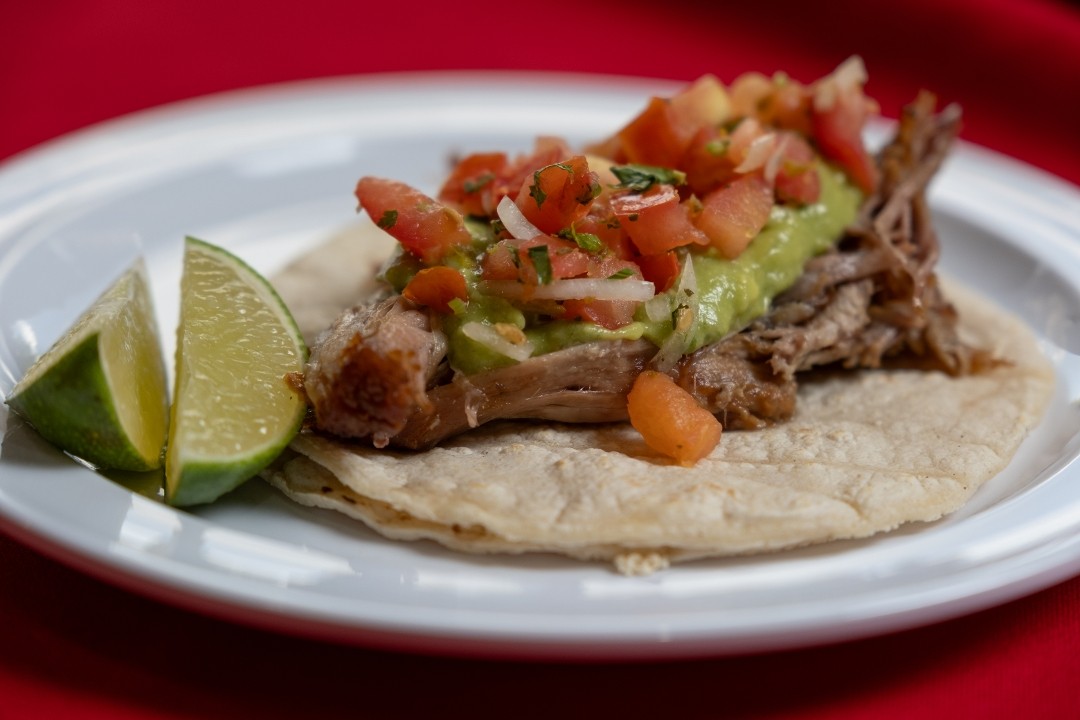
[
  {"x": 789, "y": 107},
  {"x": 558, "y": 194},
  {"x": 435, "y": 287},
  {"x": 473, "y": 182},
  {"x": 610, "y": 148},
  {"x": 839, "y": 135},
  {"x": 662, "y": 132},
  {"x": 733, "y": 215},
  {"x": 708, "y": 162},
  {"x": 606, "y": 265},
  {"x": 601, "y": 222},
  {"x": 546, "y": 151},
  {"x": 661, "y": 270},
  {"x": 839, "y": 113},
  {"x": 613, "y": 239},
  {"x": 656, "y": 220},
  {"x": 657, "y": 136},
  {"x": 502, "y": 261},
  {"x": 743, "y": 137},
  {"x": 797, "y": 178},
  {"x": 778, "y": 102},
  {"x": 749, "y": 92},
  {"x": 423, "y": 226},
  {"x": 567, "y": 259},
  {"x": 670, "y": 420},
  {"x": 510, "y": 260},
  {"x": 705, "y": 103},
  {"x": 611, "y": 314}
]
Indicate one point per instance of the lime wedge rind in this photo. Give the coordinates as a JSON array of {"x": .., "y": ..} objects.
[
  {"x": 233, "y": 409},
  {"x": 99, "y": 392}
]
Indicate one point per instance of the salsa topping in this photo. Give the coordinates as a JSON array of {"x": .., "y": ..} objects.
[{"x": 680, "y": 228}]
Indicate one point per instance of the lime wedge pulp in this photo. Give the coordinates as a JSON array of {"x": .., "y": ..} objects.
[
  {"x": 234, "y": 408},
  {"x": 99, "y": 392}
]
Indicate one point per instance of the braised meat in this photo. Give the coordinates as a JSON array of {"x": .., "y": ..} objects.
[{"x": 381, "y": 373}]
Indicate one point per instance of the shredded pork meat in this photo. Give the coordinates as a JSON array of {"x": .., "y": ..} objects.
[
  {"x": 371, "y": 370},
  {"x": 380, "y": 372}
]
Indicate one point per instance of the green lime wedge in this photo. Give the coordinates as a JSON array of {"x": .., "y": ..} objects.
[
  {"x": 234, "y": 408},
  {"x": 99, "y": 392}
]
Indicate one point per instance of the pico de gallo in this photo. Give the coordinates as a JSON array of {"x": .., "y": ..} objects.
[{"x": 680, "y": 228}]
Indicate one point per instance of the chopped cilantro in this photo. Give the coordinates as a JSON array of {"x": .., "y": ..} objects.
[
  {"x": 542, "y": 263},
  {"x": 589, "y": 194},
  {"x": 586, "y": 241},
  {"x": 536, "y": 192},
  {"x": 639, "y": 178},
  {"x": 717, "y": 147},
  {"x": 388, "y": 219},
  {"x": 473, "y": 184},
  {"x": 621, "y": 274}
]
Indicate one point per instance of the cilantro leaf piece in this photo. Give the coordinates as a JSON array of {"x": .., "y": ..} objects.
[
  {"x": 639, "y": 178},
  {"x": 388, "y": 219},
  {"x": 621, "y": 274},
  {"x": 473, "y": 184},
  {"x": 586, "y": 241},
  {"x": 536, "y": 192},
  {"x": 542, "y": 262},
  {"x": 589, "y": 194}
]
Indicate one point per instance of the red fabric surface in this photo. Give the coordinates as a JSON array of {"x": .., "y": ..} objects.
[{"x": 71, "y": 646}]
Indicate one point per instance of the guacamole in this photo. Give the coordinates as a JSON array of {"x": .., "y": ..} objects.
[{"x": 730, "y": 293}]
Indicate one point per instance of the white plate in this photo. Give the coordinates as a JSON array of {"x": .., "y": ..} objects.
[{"x": 269, "y": 173}]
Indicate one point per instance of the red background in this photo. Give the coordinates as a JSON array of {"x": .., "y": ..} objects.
[{"x": 71, "y": 646}]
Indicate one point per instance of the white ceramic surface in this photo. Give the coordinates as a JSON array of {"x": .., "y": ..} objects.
[{"x": 269, "y": 173}]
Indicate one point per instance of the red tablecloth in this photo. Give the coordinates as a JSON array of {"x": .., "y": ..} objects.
[{"x": 71, "y": 646}]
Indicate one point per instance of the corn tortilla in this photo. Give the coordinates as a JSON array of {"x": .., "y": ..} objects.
[{"x": 865, "y": 452}]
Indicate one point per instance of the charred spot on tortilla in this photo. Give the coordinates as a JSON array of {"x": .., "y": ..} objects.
[{"x": 850, "y": 377}]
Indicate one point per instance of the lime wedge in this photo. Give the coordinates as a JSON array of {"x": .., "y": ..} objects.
[
  {"x": 234, "y": 408},
  {"x": 99, "y": 392}
]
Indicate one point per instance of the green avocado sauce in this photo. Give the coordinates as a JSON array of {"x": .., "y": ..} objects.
[{"x": 730, "y": 293}]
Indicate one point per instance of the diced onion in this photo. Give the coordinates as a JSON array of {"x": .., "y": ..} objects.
[
  {"x": 659, "y": 308},
  {"x": 686, "y": 290},
  {"x": 515, "y": 221},
  {"x": 490, "y": 338},
  {"x": 849, "y": 76},
  {"x": 678, "y": 342},
  {"x": 758, "y": 153},
  {"x": 573, "y": 289},
  {"x": 776, "y": 159}
]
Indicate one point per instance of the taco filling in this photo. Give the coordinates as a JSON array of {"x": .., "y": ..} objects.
[
  {"x": 728, "y": 239},
  {"x": 730, "y": 259}
]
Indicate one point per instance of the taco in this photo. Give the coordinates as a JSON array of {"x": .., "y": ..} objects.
[{"x": 746, "y": 247}]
